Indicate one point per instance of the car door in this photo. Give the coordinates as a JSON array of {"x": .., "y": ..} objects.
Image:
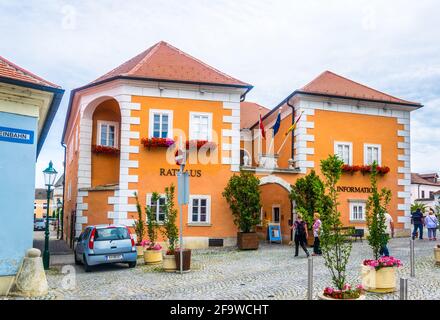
[{"x": 80, "y": 245}]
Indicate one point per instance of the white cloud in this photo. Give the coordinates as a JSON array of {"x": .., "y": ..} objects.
[{"x": 278, "y": 46}]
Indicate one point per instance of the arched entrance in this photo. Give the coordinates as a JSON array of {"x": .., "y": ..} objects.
[{"x": 276, "y": 205}]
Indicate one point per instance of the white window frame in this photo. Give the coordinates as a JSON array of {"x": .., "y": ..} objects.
[
  {"x": 149, "y": 198},
  {"x": 98, "y": 132},
  {"x": 379, "y": 153},
  {"x": 191, "y": 124},
  {"x": 153, "y": 112},
  {"x": 208, "y": 209},
  {"x": 354, "y": 203},
  {"x": 350, "y": 154}
]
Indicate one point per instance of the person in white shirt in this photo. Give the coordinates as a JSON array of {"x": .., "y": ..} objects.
[{"x": 389, "y": 224}]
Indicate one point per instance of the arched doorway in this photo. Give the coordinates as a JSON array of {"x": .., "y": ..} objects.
[{"x": 276, "y": 206}]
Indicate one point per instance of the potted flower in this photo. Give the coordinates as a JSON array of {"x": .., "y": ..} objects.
[
  {"x": 139, "y": 227},
  {"x": 379, "y": 274},
  {"x": 347, "y": 293},
  {"x": 153, "y": 250},
  {"x": 243, "y": 196},
  {"x": 335, "y": 249},
  {"x": 157, "y": 142},
  {"x": 198, "y": 144},
  {"x": 437, "y": 255},
  {"x": 105, "y": 150},
  {"x": 170, "y": 231}
]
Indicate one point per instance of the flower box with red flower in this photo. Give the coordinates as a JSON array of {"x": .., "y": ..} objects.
[
  {"x": 105, "y": 150},
  {"x": 383, "y": 170},
  {"x": 157, "y": 142},
  {"x": 347, "y": 293},
  {"x": 198, "y": 144},
  {"x": 380, "y": 275}
]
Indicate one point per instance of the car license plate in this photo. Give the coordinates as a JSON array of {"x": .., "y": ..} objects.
[{"x": 114, "y": 257}]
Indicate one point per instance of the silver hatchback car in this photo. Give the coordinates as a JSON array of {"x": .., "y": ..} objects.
[{"x": 105, "y": 244}]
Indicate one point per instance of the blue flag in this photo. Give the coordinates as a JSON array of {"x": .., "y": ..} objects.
[{"x": 276, "y": 126}]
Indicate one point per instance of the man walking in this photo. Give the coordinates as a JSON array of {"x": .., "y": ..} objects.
[
  {"x": 418, "y": 221},
  {"x": 389, "y": 224}
]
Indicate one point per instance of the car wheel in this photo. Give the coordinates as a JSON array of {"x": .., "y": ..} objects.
[
  {"x": 87, "y": 268},
  {"x": 132, "y": 264},
  {"x": 77, "y": 262}
]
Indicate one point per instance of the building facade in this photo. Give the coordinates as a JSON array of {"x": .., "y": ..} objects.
[
  {"x": 40, "y": 203},
  {"x": 424, "y": 187},
  {"x": 28, "y": 105},
  {"x": 117, "y": 128}
]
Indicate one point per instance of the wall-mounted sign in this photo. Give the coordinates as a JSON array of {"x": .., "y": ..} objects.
[
  {"x": 173, "y": 172},
  {"x": 274, "y": 232},
  {"x": 354, "y": 189},
  {"x": 16, "y": 135}
]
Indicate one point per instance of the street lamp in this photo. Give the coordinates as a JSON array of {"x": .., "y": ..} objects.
[
  {"x": 50, "y": 175},
  {"x": 59, "y": 216}
]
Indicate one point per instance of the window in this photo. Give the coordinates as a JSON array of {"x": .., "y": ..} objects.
[
  {"x": 344, "y": 151},
  {"x": 423, "y": 194},
  {"x": 357, "y": 211},
  {"x": 45, "y": 205},
  {"x": 372, "y": 152},
  {"x": 107, "y": 134},
  {"x": 161, "y": 124},
  {"x": 276, "y": 214},
  {"x": 158, "y": 207},
  {"x": 431, "y": 194},
  {"x": 200, "y": 125},
  {"x": 199, "y": 209}
]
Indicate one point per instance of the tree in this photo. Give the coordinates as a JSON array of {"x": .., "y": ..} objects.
[
  {"x": 152, "y": 224},
  {"x": 243, "y": 196},
  {"x": 376, "y": 207},
  {"x": 335, "y": 249},
  {"x": 309, "y": 196},
  {"x": 139, "y": 225},
  {"x": 170, "y": 230},
  {"x": 418, "y": 205}
]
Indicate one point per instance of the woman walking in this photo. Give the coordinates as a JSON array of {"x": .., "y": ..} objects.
[
  {"x": 431, "y": 222},
  {"x": 316, "y": 230},
  {"x": 300, "y": 232}
]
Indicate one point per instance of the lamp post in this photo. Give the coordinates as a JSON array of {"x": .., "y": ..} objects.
[
  {"x": 59, "y": 211},
  {"x": 50, "y": 175}
]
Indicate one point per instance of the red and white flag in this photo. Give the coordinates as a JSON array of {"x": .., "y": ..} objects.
[{"x": 263, "y": 132}]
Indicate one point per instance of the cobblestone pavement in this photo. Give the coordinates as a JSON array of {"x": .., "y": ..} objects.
[
  {"x": 56, "y": 247},
  {"x": 269, "y": 273}
]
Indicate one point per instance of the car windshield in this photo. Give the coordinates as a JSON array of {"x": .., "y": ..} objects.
[
  {"x": 39, "y": 220},
  {"x": 106, "y": 234}
]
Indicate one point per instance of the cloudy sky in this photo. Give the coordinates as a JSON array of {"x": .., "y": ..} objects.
[{"x": 278, "y": 46}]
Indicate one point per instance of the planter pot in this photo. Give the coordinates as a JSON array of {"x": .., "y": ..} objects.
[
  {"x": 247, "y": 241},
  {"x": 169, "y": 263},
  {"x": 152, "y": 256},
  {"x": 380, "y": 281},
  {"x": 186, "y": 261},
  {"x": 140, "y": 251},
  {"x": 323, "y": 297},
  {"x": 437, "y": 256}
]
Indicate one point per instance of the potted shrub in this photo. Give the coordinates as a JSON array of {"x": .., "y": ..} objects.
[
  {"x": 152, "y": 251},
  {"x": 335, "y": 249},
  {"x": 308, "y": 194},
  {"x": 139, "y": 228},
  {"x": 170, "y": 231},
  {"x": 243, "y": 196},
  {"x": 378, "y": 275}
]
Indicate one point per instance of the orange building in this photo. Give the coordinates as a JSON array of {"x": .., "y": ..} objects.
[
  {"x": 338, "y": 116},
  {"x": 117, "y": 129}
]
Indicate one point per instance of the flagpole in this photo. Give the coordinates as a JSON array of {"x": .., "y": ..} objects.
[
  {"x": 259, "y": 135},
  {"x": 287, "y": 133}
]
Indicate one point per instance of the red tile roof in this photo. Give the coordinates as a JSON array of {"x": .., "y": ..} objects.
[
  {"x": 12, "y": 71},
  {"x": 249, "y": 113},
  {"x": 165, "y": 62},
  {"x": 419, "y": 179},
  {"x": 329, "y": 83}
]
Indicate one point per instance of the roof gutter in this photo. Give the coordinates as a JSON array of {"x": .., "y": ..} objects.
[
  {"x": 296, "y": 92},
  {"x": 53, "y": 108},
  {"x": 74, "y": 91}
]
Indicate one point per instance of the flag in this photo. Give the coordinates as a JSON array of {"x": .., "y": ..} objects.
[
  {"x": 276, "y": 126},
  {"x": 263, "y": 132},
  {"x": 293, "y": 126}
]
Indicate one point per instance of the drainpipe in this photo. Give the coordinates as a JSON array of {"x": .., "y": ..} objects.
[
  {"x": 293, "y": 131},
  {"x": 64, "y": 192}
]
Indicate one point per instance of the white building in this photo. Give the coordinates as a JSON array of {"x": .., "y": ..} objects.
[{"x": 424, "y": 188}]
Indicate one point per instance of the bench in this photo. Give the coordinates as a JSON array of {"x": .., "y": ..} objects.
[{"x": 352, "y": 232}]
